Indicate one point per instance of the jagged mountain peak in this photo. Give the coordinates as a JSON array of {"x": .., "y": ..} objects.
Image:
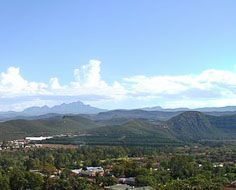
[{"x": 64, "y": 108}]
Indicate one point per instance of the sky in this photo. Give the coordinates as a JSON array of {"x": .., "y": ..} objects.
[{"x": 117, "y": 54}]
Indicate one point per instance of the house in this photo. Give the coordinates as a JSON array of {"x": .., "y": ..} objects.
[
  {"x": 92, "y": 171},
  {"x": 88, "y": 172},
  {"x": 127, "y": 187},
  {"x": 221, "y": 165},
  {"x": 143, "y": 188},
  {"x": 37, "y": 138},
  {"x": 128, "y": 181},
  {"x": 76, "y": 171},
  {"x": 38, "y": 172},
  {"x": 118, "y": 187}
]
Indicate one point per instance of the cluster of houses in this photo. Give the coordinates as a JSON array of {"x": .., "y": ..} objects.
[
  {"x": 89, "y": 172},
  {"x": 28, "y": 142},
  {"x": 92, "y": 172},
  {"x": 15, "y": 144},
  {"x": 123, "y": 183}
]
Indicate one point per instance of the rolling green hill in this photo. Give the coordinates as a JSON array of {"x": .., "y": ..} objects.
[
  {"x": 191, "y": 126},
  {"x": 225, "y": 124},
  {"x": 135, "y": 114},
  {"x": 198, "y": 126},
  {"x": 187, "y": 126},
  {"x": 57, "y": 125},
  {"x": 136, "y": 132}
]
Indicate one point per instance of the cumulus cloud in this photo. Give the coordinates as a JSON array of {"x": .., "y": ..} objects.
[
  {"x": 209, "y": 83},
  {"x": 87, "y": 83},
  {"x": 13, "y": 84},
  {"x": 208, "y": 88},
  {"x": 54, "y": 83}
]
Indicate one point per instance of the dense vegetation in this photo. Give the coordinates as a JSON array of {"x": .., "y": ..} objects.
[
  {"x": 16, "y": 129},
  {"x": 164, "y": 169},
  {"x": 185, "y": 127}
]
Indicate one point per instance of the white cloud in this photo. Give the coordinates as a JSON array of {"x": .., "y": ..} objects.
[
  {"x": 87, "y": 82},
  {"x": 91, "y": 73},
  {"x": 13, "y": 84},
  {"x": 209, "y": 88},
  {"x": 210, "y": 82},
  {"x": 54, "y": 84}
]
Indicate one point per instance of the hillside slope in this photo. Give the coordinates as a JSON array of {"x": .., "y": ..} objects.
[
  {"x": 187, "y": 126},
  {"x": 191, "y": 126},
  {"x": 67, "y": 124},
  {"x": 136, "y": 132},
  {"x": 225, "y": 124},
  {"x": 194, "y": 125},
  {"x": 135, "y": 114}
]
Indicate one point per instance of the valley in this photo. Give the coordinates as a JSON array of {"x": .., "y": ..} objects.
[{"x": 134, "y": 127}]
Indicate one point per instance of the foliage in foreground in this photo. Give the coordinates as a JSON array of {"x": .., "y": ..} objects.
[{"x": 177, "y": 169}]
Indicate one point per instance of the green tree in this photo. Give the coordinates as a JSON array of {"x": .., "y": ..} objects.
[
  {"x": 146, "y": 180},
  {"x": 34, "y": 181},
  {"x": 4, "y": 182},
  {"x": 105, "y": 180},
  {"x": 17, "y": 180}
]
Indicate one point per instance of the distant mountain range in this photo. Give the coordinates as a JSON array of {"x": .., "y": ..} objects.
[
  {"x": 71, "y": 108},
  {"x": 135, "y": 114},
  {"x": 204, "y": 109},
  {"x": 32, "y": 112},
  {"x": 74, "y": 108},
  {"x": 159, "y": 108},
  {"x": 148, "y": 126}
]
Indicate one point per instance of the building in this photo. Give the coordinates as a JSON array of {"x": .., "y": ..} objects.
[
  {"x": 76, "y": 171},
  {"x": 128, "y": 181},
  {"x": 93, "y": 171},
  {"x": 89, "y": 172},
  {"x": 37, "y": 138},
  {"x": 127, "y": 187},
  {"x": 118, "y": 187}
]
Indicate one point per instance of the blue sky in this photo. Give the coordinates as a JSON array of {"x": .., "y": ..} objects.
[{"x": 129, "y": 46}]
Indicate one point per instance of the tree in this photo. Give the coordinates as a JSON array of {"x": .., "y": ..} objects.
[
  {"x": 34, "y": 181},
  {"x": 177, "y": 185},
  {"x": 145, "y": 180},
  {"x": 105, "y": 180},
  {"x": 4, "y": 182},
  {"x": 17, "y": 180},
  {"x": 182, "y": 167}
]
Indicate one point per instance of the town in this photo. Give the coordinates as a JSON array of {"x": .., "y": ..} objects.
[{"x": 118, "y": 168}]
